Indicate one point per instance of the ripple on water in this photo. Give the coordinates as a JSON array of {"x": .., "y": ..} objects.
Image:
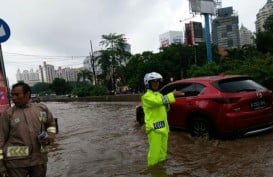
[{"x": 103, "y": 139}]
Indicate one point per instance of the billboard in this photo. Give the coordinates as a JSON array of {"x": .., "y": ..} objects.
[
  {"x": 203, "y": 6},
  {"x": 165, "y": 43},
  {"x": 170, "y": 37},
  {"x": 193, "y": 33},
  {"x": 4, "y": 101}
]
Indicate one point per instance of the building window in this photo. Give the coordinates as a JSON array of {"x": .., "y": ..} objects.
[
  {"x": 224, "y": 35},
  {"x": 230, "y": 43},
  {"x": 229, "y": 28}
]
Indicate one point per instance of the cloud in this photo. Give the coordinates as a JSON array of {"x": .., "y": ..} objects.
[{"x": 65, "y": 27}]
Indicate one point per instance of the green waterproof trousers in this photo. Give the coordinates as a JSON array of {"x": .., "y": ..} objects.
[{"x": 158, "y": 145}]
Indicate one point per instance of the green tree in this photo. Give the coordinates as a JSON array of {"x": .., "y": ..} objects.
[
  {"x": 113, "y": 56},
  {"x": 82, "y": 90},
  {"x": 135, "y": 70},
  {"x": 172, "y": 62},
  {"x": 41, "y": 88},
  {"x": 264, "y": 39},
  {"x": 205, "y": 70},
  {"x": 98, "y": 90},
  {"x": 60, "y": 86},
  {"x": 85, "y": 76}
]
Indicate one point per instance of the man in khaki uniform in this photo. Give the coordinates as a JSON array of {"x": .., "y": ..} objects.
[{"x": 26, "y": 129}]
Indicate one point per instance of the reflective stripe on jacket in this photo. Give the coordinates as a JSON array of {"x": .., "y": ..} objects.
[{"x": 155, "y": 107}]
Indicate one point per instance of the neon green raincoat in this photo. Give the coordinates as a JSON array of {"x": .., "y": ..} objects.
[{"x": 155, "y": 107}]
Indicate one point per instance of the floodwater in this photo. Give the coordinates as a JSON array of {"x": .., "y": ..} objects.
[{"x": 102, "y": 139}]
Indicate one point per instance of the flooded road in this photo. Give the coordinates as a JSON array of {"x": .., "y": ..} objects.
[{"x": 102, "y": 139}]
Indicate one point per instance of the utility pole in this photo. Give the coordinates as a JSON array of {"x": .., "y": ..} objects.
[{"x": 92, "y": 61}]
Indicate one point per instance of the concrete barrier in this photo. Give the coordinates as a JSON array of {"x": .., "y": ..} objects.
[{"x": 135, "y": 97}]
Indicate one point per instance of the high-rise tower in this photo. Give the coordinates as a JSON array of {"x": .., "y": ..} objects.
[
  {"x": 262, "y": 15},
  {"x": 225, "y": 28}
]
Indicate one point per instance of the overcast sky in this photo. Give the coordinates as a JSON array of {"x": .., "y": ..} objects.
[{"x": 59, "y": 31}]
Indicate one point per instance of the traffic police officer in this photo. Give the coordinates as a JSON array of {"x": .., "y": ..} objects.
[{"x": 155, "y": 107}]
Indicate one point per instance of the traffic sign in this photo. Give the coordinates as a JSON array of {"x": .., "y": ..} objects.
[{"x": 4, "y": 31}]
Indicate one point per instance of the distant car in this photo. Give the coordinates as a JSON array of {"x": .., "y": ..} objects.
[
  {"x": 214, "y": 105},
  {"x": 35, "y": 99}
]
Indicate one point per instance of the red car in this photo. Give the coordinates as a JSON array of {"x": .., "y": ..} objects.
[{"x": 214, "y": 105}]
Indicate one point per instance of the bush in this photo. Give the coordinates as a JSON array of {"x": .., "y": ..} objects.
[
  {"x": 82, "y": 91},
  {"x": 98, "y": 90}
]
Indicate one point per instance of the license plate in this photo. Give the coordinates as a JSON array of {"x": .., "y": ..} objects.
[{"x": 257, "y": 104}]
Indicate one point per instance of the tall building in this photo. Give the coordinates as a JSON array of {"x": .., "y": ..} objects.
[
  {"x": 262, "y": 15},
  {"x": 246, "y": 36},
  {"x": 68, "y": 74},
  {"x": 47, "y": 72},
  {"x": 170, "y": 37},
  {"x": 30, "y": 77},
  {"x": 225, "y": 28}
]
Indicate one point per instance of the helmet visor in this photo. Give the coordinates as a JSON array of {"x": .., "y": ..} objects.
[{"x": 156, "y": 80}]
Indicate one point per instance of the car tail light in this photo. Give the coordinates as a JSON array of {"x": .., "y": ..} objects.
[{"x": 226, "y": 100}]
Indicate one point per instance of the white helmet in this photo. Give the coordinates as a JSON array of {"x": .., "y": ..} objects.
[{"x": 152, "y": 76}]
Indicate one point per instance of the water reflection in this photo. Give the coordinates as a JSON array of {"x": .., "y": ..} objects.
[{"x": 156, "y": 171}]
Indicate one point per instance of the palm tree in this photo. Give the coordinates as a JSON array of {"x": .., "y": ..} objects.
[
  {"x": 84, "y": 75},
  {"x": 113, "y": 56},
  {"x": 114, "y": 41}
]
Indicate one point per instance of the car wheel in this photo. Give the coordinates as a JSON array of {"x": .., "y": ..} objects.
[{"x": 201, "y": 127}]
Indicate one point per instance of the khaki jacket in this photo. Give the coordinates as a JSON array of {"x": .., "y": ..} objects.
[{"x": 19, "y": 128}]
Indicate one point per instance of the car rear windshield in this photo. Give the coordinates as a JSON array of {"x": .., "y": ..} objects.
[{"x": 238, "y": 85}]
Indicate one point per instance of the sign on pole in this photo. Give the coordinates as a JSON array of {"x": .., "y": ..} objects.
[
  {"x": 4, "y": 31},
  {"x": 4, "y": 36},
  {"x": 206, "y": 8}
]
